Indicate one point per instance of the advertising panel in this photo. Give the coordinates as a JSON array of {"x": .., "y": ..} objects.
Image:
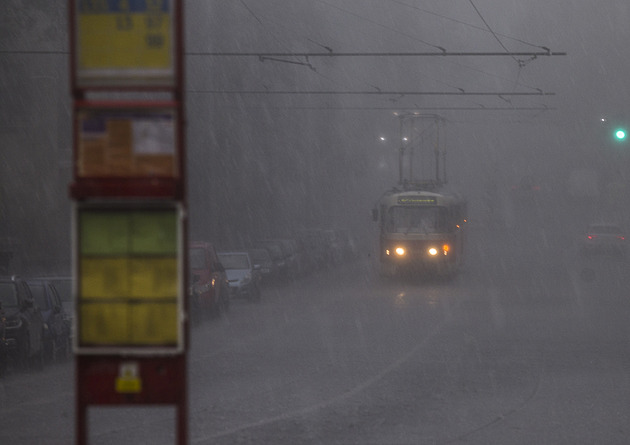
[{"x": 126, "y": 143}]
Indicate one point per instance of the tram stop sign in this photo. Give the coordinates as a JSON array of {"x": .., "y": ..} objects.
[{"x": 124, "y": 43}]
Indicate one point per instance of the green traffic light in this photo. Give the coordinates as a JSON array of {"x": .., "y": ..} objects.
[{"x": 620, "y": 134}]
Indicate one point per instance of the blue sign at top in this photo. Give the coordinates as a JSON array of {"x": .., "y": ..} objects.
[{"x": 122, "y": 6}]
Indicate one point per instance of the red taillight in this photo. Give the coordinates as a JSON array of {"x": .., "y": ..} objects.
[
  {"x": 621, "y": 237},
  {"x": 591, "y": 236}
]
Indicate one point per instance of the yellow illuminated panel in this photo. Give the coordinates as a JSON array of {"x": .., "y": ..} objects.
[
  {"x": 128, "y": 277},
  {"x": 125, "y": 39},
  {"x": 106, "y": 42},
  {"x": 152, "y": 278},
  {"x": 104, "y": 324},
  {"x": 104, "y": 277},
  {"x": 153, "y": 233},
  {"x": 104, "y": 233},
  {"x": 154, "y": 324}
]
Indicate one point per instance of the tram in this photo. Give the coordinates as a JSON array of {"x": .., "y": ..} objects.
[{"x": 421, "y": 229}]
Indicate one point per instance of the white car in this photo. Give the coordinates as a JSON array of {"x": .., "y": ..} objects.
[{"x": 243, "y": 276}]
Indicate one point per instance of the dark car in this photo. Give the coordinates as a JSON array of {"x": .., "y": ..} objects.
[
  {"x": 278, "y": 255},
  {"x": 4, "y": 347},
  {"x": 24, "y": 324},
  {"x": 63, "y": 286},
  {"x": 262, "y": 258},
  {"x": 57, "y": 345}
]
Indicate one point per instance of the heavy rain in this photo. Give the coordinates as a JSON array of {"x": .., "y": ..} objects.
[{"x": 325, "y": 140}]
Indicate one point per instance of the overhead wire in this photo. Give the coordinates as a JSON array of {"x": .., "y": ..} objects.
[
  {"x": 329, "y": 51},
  {"x": 379, "y": 93},
  {"x": 520, "y": 63},
  {"x": 255, "y": 17},
  {"x": 461, "y": 22},
  {"x": 489, "y": 29},
  {"x": 274, "y": 58},
  {"x": 373, "y": 22}
]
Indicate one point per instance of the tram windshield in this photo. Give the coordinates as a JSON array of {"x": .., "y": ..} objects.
[{"x": 407, "y": 219}]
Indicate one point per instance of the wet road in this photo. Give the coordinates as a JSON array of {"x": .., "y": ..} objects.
[{"x": 518, "y": 349}]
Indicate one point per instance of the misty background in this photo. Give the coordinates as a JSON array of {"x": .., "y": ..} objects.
[{"x": 264, "y": 165}]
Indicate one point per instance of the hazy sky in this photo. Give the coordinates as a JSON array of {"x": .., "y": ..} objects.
[{"x": 328, "y": 144}]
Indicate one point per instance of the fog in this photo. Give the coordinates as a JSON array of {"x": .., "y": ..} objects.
[
  {"x": 295, "y": 112},
  {"x": 307, "y": 160}
]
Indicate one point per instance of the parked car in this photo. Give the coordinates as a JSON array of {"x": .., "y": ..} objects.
[
  {"x": 57, "y": 337},
  {"x": 293, "y": 254},
  {"x": 313, "y": 242},
  {"x": 63, "y": 286},
  {"x": 276, "y": 253},
  {"x": 243, "y": 275},
  {"x": 209, "y": 290},
  {"x": 263, "y": 259},
  {"x": 4, "y": 346},
  {"x": 24, "y": 324}
]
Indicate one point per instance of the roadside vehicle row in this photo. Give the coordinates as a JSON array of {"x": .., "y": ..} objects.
[
  {"x": 36, "y": 313},
  {"x": 34, "y": 327},
  {"x": 307, "y": 251},
  {"x": 218, "y": 275}
]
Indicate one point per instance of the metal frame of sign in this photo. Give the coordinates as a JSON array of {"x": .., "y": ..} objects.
[
  {"x": 130, "y": 44},
  {"x": 111, "y": 254},
  {"x": 128, "y": 149}
]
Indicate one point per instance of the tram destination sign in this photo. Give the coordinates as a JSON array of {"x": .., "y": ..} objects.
[{"x": 417, "y": 200}]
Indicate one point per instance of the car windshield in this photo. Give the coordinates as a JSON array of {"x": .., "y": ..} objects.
[
  {"x": 275, "y": 251},
  {"x": 234, "y": 260},
  {"x": 38, "y": 290},
  {"x": 407, "y": 219},
  {"x": 8, "y": 295},
  {"x": 197, "y": 258},
  {"x": 259, "y": 256},
  {"x": 64, "y": 289}
]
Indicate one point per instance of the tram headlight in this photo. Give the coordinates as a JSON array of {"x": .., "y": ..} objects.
[
  {"x": 446, "y": 248},
  {"x": 400, "y": 251},
  {"x": 433, "y": 251}
]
